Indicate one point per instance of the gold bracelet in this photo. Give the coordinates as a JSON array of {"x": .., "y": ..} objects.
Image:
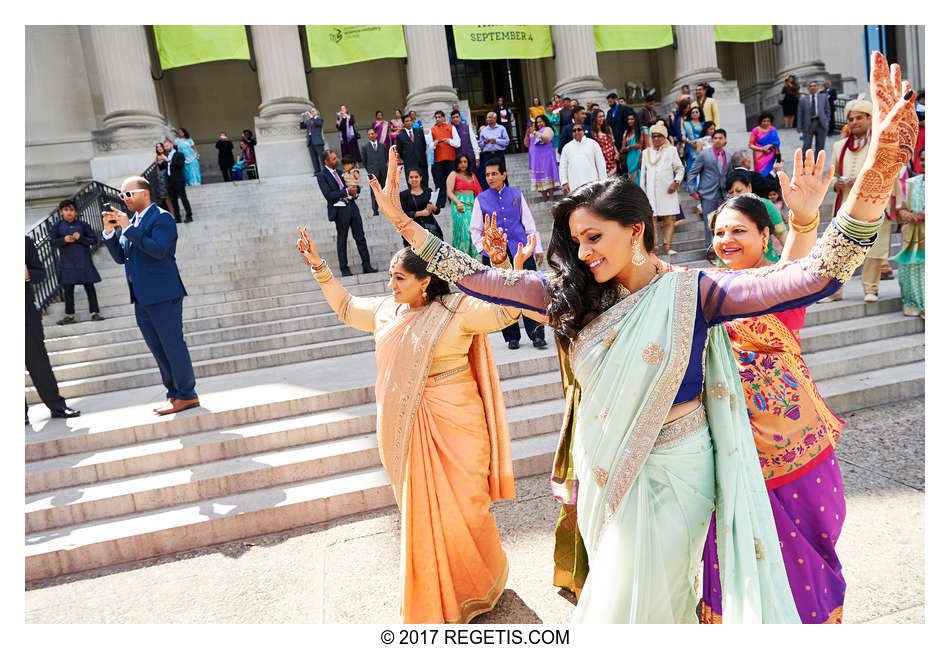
[
  {"x": 323, "y": 275},
  {"x": 804, "y": 229},
  {"x": 318, "y": 267}
]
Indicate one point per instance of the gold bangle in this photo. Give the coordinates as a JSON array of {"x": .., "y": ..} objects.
[
  {"x": 323, "y": 275},
  {"x": 318, "y": 267},
  {"x": 804, "y": 229}
]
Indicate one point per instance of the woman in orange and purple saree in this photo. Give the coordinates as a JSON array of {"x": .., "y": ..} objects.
[{"x": 442, "y": 432}]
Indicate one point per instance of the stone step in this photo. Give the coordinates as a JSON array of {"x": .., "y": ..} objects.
[
  {"x": 228, "y": 365},
  {"x": 216, "y": 520},
  {"x": 853, "y": 332},
  {"x": 248, "y": 298},
  {"x": 163, "y": 479},
  {"x": 257, "y": 405},
  {"x": 866, "y": 357},
  {"x": 873, "y": 388}
]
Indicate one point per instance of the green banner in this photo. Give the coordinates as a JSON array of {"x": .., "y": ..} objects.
[
  {"x": 482, "y": 42},
  {"x": 742, "y": 33},
  {"x": 331, "y": 45},
  {"x": 611, "y": 38},
  {"x": 180, "y": 45}
]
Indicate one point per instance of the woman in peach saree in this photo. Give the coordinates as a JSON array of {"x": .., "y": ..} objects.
[{"x": 442, "y": 431}]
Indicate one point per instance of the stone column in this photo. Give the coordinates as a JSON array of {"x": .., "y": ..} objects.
[
  {"x": 132, "y": 122},
  {"x": 695, "y": 56},
  {"x": 696, "y": 61},
  {"x": 798, "y": 55},
  {"x": 575, "y": 65},
  {"x": 281, "y": 144},
  {"x": 428, "y": 73}
]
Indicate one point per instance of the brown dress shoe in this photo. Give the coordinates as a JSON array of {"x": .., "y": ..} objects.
[
  {"x": 169, "y": 403},
  {"x": 178, "y": 405}
]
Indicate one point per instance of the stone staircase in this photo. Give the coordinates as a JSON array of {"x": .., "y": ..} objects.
[{"x": 285, "y": 436}]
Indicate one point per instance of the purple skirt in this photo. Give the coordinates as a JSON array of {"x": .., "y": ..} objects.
[
  {"x": 809, "y": 513},
  {"x": 542, "y": 162}
]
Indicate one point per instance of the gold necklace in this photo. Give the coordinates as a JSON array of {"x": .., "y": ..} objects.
[{"x": 650, "y": 159}]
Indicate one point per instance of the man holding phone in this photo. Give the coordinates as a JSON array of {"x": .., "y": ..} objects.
[{"x": 145, "y": 245}]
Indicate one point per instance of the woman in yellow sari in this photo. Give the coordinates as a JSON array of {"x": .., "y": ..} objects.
[{"x": 442, "y": 432}]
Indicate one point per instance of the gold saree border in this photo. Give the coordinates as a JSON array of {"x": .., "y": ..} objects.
[
  {"x": 648, "y": 424},
  {"x": 431, "y": 326},
  {"x": 478, "y": 605}
]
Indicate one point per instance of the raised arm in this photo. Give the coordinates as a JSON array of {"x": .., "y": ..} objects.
[
  {"x": 356, "y": 312},
  {"x": 893, "y": 136},
  {"x": 803, "y": 195},
  {"x": 526, "y": 290},
  {"x": 842, "y": 248}
]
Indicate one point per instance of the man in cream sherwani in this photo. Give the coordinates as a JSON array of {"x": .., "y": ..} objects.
[{"x": 582, "y": 161}]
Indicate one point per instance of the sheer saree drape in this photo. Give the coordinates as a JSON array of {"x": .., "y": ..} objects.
[
  {"x": 444, "y": 442},
  {"x": 642, "y": 511}
]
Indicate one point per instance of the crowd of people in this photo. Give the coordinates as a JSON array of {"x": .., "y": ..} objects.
[
  {"x": 654, "y": 508},
  {"x": 690, "y": 453}
]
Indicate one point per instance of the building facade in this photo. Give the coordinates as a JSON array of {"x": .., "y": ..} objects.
[{"x": 97, "y": 99}]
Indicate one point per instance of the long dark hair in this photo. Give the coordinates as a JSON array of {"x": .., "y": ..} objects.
[
  {"x": 470, "y": 170},
  {"x": 416, "y": 266},
  {"x": 751, "y": 207},
  {"x": 576, "y": 295}
]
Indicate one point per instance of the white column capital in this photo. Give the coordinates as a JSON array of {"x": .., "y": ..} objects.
[
  {"x": 695, "y": 55},
  {"x": 798, "y": 54}
]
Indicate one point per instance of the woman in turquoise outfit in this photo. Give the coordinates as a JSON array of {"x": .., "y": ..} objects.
[
  {"x": 192, "y": 167},
  {"x": 662, "y": 436},
  {"x": 632, "y": 145}
]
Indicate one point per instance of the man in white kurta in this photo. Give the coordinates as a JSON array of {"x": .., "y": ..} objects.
[
  {"x": 661, "y": 172},
  {"x": 582, "y": 161}
]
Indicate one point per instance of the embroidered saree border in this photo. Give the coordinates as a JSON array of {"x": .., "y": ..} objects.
[
  {"x": 648, "y": 424},
  {"x": 476, "y": 606}
]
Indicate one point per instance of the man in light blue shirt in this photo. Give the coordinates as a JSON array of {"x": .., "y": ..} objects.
[{"x": 493, "y": 140}]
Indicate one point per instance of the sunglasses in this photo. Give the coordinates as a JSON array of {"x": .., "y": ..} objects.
[
  {"x": 130, "y": 193},
  {"x": 577, "y": 130}
]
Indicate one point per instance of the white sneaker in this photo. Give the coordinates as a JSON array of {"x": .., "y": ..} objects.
[
  {"x": 870, "y": 297},
  {"x": 671, "y": 252}
]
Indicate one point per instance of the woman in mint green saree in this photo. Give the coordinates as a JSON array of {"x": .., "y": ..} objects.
[{"x": 661, "y": 435}]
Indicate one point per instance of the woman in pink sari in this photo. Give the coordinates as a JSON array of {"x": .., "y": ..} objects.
[
  {"x": 765, "y": 144},
  {"x": 442, "y": 431},
  {"x": 395, "y": 125},
  {"x": 381, "y": 126}
]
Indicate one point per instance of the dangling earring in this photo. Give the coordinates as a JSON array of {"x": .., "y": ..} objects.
[
  {"x": 638, "y": 258},
  {"x": 765, "y": 246}
]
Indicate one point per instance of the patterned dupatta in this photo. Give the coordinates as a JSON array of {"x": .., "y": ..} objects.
[
  {"x": 630, "y": 361},
  {"x": 793, "y": 427},
  {"x": 405, "y": 348}
]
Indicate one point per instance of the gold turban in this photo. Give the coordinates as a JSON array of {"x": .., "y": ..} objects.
[
  {"x": 658, "y": 129},
  {"x": 859, "y": 104}
]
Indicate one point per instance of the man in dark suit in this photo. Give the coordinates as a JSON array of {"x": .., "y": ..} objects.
[
  {"x": 342, "y": 210},
  {"x": 37, "y": 360},
  {"x": 411, "y": 147},
  {"x": 176, "y": 180},
  {"x": 706, "y": 181},
  {"x": 145, "y": 245},
  {"x": 617, "y": 119},
  {"x": 814, "y": 118},
  {"x": 832, "y": 97},
  {"x": 375, "y": 157},
  {"x": 313, "y": 123},
  {"x": 565, "y": 120}
]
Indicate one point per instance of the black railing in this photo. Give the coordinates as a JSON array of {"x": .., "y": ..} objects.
[{"x": 90, "y": 201}]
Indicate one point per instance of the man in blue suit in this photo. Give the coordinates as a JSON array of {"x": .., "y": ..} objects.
[
  {"x": 146, "y": 246},
  {"x": 706, "y": 182}
]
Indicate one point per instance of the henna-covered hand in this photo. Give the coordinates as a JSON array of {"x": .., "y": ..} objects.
[
  {"x": 494, "y": 240},
  {"x": 525, "y": 251},
  {"x": 387, "y": 198},
  {"x": 894, "y": 129}
]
